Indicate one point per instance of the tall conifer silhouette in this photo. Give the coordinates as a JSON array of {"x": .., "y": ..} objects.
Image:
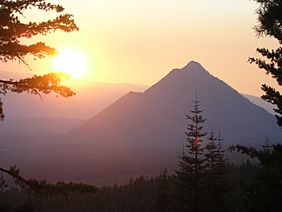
[
  {"x": 192, "y": 162},
  {"x": 215, "y": 183},
  {"x": 212, "y": 151}
]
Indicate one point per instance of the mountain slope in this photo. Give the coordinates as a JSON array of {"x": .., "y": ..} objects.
[
  {"x": 53, "y": 115},
  {"x": 262, "y": 103},
  {"x": 144, "y": 132},
  {"x": 90, "y": 98},
  {"x": 160, "y": 111}
]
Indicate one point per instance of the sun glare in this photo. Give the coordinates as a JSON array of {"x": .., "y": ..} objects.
[{"x": 72, "y": 62}]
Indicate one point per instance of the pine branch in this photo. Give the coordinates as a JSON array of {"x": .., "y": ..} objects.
[{"x": 44, "y": 188}]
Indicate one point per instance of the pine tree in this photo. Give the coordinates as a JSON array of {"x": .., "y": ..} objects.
[
  {"x": 264, "y": 192},
  {"x": 270, "y": 24},
  {"x": 162, "y": 203},
  {"x": 211, "y": 151},
  {"x": 192, "y": 164},
  {"x": 182, "y": 187},
  {"x": 221, "y": 161},
  {"x": 214, "y": 181}
]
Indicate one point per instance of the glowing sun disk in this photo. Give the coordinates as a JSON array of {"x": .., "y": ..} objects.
[{"x": 70, "y": 61}]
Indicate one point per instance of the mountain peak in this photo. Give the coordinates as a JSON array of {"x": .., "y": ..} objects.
[
  {"x": 182, "y": 77},
  {"x": 193, "y": 65}
]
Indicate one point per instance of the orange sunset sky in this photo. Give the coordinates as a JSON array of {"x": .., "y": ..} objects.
[{"x": 139, "y": 42}]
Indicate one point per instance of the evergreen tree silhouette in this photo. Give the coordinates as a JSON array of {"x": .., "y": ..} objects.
[
  {"x": 270, "y": 24},
  {"x": 211, "y": 151},
  {"x": 215, "y": 181},
  {"x": 192, "y": 163},
  {"x": 264, "y": 192}
]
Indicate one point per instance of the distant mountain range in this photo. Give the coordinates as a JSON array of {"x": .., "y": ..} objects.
[
  {"x": 143, "y": 132},
  {"x": 58, "y": 115},
  {"x": 90, "y": 99},
  {"x": 260, "y": 102}
]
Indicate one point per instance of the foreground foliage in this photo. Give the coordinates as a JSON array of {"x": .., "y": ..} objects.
[
  {"x": 14, "y": 29},
  {"x": 264, "y": 192},
  {"x": 270, "y": 24}
]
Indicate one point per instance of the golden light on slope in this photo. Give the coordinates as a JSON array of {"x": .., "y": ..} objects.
[{"x": 71, "y": 62}]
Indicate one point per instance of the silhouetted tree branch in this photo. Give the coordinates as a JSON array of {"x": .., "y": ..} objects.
[
  {"x": 270, "y": 24},
  {"x": 264, "y": 192},
  {"x": 44, "y": 188},
  {"x": 12, "y": 31}
]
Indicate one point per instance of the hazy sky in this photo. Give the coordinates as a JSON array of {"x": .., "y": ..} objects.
[{"x": 139, "y": 42}]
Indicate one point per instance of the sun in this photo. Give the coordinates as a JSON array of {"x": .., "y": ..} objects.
[{"x": 71, "y": 62}]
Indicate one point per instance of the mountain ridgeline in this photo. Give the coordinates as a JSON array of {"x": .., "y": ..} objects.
[
  {"x": 158, "y": 115},
  {"x": 145, "y": 131}
]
